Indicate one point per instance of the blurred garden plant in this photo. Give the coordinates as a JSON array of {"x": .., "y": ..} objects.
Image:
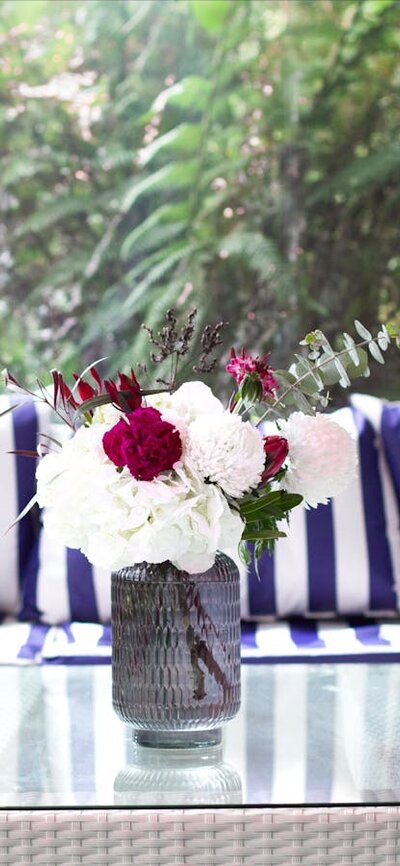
[{"x": 238, "y": 155}]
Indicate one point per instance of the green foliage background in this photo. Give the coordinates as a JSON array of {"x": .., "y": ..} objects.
[{"x": 241, "y": 156}]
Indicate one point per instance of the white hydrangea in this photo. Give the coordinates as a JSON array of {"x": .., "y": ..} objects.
[
  {"x": 194, "y": 399},
  {"x": 227, "y": 451},
  {"x": 322, "y": 457},
  {"x": 107, "y": 414},
  {"x": 116, "y": 520},
  {"x": 189, "y": 402}
]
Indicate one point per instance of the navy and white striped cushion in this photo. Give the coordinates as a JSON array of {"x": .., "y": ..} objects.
[
  {"x": 61, "y": 585},
  {"x": 341, "y": 558},
  {"x": 385, "y": 418},
  {"x": 300, "y": 640},
  {"x": 18, "y": 431},
  {"x": 294, "y": 641},
  {"x": 390, "y": 428}
]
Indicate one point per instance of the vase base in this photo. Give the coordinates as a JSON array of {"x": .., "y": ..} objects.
[{"x": 177, "y": 739}]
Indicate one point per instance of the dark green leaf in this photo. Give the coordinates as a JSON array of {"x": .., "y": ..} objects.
[{"x": 254, "y": 535}]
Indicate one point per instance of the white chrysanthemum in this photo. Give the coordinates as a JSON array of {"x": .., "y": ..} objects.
[
  {"x": 117, "y": 521},
  {"x": 191, "y": 401},
  {"x": 227, "y": 451},
  {"x": 322, "y": 457}
]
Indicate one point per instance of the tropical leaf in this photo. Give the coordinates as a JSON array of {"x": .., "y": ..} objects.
[
  {"x": 141, "y": 237},
  {"x": 155, "y": 237},
  {"x": 186, "y": 93},
  {"x": 56, "y": 211},
  {"x": 21, "y": 169},
  {"x": 357, "y": 177},
  {"x": 184, "y": 138},
  {"x": 172, "y": 176},
  {"x": 260, "y": 253},
  {"x": 155, "y": 275}
]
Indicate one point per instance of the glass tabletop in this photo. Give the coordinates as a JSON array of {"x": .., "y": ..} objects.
[{"x": 306, "y": 734}]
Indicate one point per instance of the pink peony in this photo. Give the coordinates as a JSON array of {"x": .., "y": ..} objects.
[
  {"x": 322, "y": 456},
  {"x": 147, "y": 444}
]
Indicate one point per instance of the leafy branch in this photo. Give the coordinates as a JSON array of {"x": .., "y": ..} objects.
[{"x": 307, "y": 380}]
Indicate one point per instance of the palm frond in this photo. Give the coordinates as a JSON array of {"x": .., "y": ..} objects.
[
  {"x": 56, "y": 211},
  {"x": 170, "y": 259},
  {"x": 260, "y": 253},
  {"x": 359, "y": 176},
  {"x": 170, "y": 177}
]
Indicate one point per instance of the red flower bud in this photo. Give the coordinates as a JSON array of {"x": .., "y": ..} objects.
[{"x": 276, "y": 449}]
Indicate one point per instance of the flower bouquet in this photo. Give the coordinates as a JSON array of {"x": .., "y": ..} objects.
[{"x": 166, "y": 487}]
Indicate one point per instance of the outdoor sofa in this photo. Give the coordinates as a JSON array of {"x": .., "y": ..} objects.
[{"x": 329, "y": 595}]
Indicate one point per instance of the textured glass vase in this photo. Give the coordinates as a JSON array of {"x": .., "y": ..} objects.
[{"x": 176, "y": 652}]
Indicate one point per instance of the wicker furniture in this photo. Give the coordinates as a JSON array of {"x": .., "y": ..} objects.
[{"x": 309, "y": 774}]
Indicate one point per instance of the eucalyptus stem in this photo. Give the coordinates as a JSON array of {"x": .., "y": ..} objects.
[{"x": 279, "y": 400}]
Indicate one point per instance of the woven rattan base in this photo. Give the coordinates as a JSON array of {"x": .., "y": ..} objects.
[{"x": 368, "y": 836}]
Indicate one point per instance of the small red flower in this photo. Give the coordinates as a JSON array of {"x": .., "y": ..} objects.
[
  {"x": 244, "y": 365},
  {"x": 276, "y": 449},
  {"x": 240, "y": 365},
  {"x": 145, "y": 443}
]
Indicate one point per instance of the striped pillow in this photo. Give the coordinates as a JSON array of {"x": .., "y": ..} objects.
[
  {"x": 341, "y": 558},
  {"x": 18, "y": 431},
  {"x": 390, "y": 429},
  {"x": 59, "y": 584},
  {"x": 62, "y": 586},
  {"x": 385, "y": 418}
]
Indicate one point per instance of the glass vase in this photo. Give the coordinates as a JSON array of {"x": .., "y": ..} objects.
[{"x": 176, "y": 652}]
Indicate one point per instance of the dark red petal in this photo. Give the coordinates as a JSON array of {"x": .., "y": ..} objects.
[
  {"x": 66, "y": 394},
  {"x": 94, "y": 374},
  {"x": 85, "y": 391},
  {"x": 56, "y": 385}
]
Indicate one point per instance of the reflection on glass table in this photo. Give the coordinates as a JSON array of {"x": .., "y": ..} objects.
[
  {"x": 190, "y": 777},
  {"x": 306, "y": 734}
]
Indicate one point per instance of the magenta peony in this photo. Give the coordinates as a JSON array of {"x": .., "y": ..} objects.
[{"x": 145, "y": 443}]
